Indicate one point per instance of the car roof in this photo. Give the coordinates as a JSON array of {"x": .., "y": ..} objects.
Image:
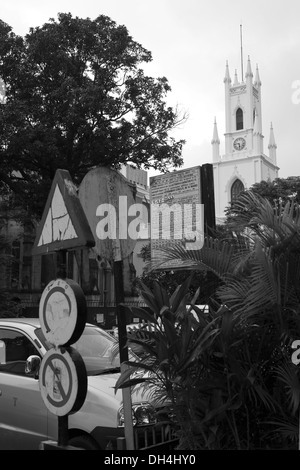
[{"x": 35, "y": 322}]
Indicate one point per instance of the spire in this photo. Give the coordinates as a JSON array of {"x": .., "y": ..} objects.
[
  {"x": 227, "y": 76},
  {"x": 215, "y": 139},
  {"x": 272, "y": 145},
  {"x": 215, "y": 143},
  {"x": 256, "y": 126},
  {"x": 249, "y": 71},
  {"x": 257, "y": 78},
  {"x": 257, "y": 143},
  {"x": 235, "y": 78}
]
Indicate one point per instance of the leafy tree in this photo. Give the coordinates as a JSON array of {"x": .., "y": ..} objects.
[
  {"x": 76, "y": 98},
  {"x": 278, "y": 191},
  {"x": 9, "y": 307}
]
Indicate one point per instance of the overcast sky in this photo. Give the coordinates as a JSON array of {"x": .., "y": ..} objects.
[{"x": 190, "y": 41}]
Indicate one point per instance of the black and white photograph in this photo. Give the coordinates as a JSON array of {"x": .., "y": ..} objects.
[{"x": 150, "y": 228}]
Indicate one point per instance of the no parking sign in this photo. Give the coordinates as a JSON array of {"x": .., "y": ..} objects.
[
  {"x": 63, "y": 381},
  {"x": 63, "y": 377}
]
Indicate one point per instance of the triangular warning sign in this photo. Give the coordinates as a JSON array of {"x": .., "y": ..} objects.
[
  {"x": 58, "y": 224},
  {"x": 64, "y": 224}
]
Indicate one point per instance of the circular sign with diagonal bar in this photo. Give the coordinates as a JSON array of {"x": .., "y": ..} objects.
[
  {"x": 63, "y": 381},
  {"x": 62, "y": 312}
]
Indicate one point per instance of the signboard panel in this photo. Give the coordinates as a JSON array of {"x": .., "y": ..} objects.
[
  {"x": 106, "y": 197},
  {"x": 64, "y": 224},
  {"x": 176, "y": 212},
  {"x": 62, "y": 375},
  {"x": 63, "y": 381},
  {"x": 62, "y": 312}
]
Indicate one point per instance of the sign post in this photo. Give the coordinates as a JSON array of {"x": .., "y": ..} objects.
[
  {"x": 62, "y": 377},
  {"x": 62, "y": 309},
  {"x": 64, "y": 226},
  {"x": 122, "y": 335}
]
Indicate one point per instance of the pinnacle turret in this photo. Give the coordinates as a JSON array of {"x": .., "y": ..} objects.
[
  {"x": 215, "y": 139},
  {"x": 249, "y": 70},
  {"x": 256, "y": 125},
  {"x": 257, "y": 78},
  {"x": 272, "y": 145},
  {"x": 216, "y": 143},
  {"x": 235, "y": 78},
  {"x": 227, "y": 76}
]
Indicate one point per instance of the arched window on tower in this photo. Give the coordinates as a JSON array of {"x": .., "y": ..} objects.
[
  {"x": 236, "y": 188},
  {"x": 239, "y": 119},
  {"x": 253, "y": 116}
]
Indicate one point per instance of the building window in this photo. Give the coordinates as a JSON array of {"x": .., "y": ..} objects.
[
  {"x": 239, "y": 119},
  {"x": 236, "y": 189}
]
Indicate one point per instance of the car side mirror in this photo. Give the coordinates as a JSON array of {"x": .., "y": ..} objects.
[{"x": 33, "y": 365}]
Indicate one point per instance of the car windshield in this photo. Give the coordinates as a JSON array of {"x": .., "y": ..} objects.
[{"x": 98, "y": 349}]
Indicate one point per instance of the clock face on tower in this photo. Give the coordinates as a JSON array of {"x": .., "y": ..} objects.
[{"x": 239, "y": 143}]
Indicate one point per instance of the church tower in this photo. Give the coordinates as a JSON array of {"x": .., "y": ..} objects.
[{"x": 244, "y": 162}]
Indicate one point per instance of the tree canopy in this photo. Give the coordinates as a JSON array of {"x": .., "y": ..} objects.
[
  {"x": 76, "y": 98},
  {"x": 277, "y": 192}
]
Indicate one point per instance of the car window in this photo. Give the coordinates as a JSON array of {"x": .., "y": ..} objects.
[
  {"x": 98, "y": 349},
  {"x": 15, "y": 348}
]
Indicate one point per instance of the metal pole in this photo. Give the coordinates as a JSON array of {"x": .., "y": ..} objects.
[
  {"x": 63, "y": 431},
  {"x": 121, "y": 316},
  {"x": 242, "y": 53}
]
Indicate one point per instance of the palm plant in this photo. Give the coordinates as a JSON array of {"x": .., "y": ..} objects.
[
  {"x": 260, "y": 273},
  {"x": 201, "y": 365},
  {"x": 222, "y": 373}
]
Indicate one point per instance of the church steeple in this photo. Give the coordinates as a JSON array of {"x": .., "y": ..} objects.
[
  {"x": 244, "y": 162},
  {"x": 216, "y": 143}
]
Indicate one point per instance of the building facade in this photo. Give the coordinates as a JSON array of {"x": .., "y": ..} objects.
[{"x": 244, "y": 162}]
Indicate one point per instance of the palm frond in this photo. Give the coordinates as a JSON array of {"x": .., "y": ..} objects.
[
  {"x": 287, "y": 373},
  {"x": 216, "y": 255}
]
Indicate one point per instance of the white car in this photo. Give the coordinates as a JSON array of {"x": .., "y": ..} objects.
[{"x": 26, "y": 422}]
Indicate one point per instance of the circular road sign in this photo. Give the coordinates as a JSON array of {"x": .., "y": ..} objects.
[
  {"x": 62, "y": 312},
  {"x": 63, "y": 381}
]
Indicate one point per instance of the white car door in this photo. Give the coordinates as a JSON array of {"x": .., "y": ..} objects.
[{"x": 23, "y": 414}]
